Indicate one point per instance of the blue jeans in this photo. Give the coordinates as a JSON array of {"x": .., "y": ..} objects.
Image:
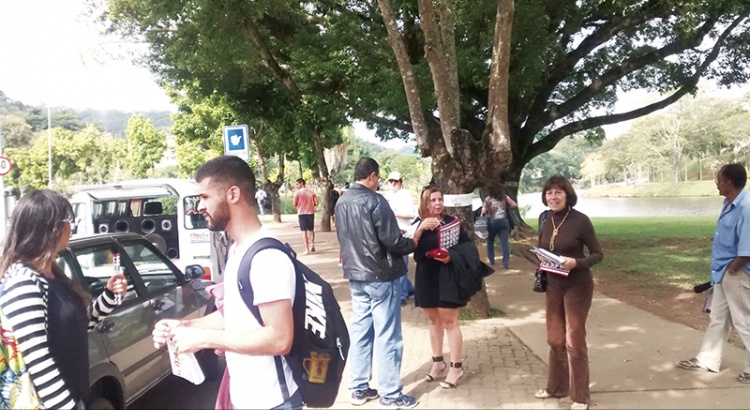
[
  {"x": 376, "y": 326},
  {"x": 406, "y": 285},
  {"x": 498, "y": 227}
]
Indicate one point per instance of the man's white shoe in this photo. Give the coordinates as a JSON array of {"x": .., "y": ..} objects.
[
  {"x": 579, "y": 406},
  {"x": 542, "y": 394}
]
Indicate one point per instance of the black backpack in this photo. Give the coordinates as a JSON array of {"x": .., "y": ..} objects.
[{"x": 315, "y": 309}]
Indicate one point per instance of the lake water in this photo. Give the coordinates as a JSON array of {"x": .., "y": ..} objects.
[{"x": 660, "y": 206}]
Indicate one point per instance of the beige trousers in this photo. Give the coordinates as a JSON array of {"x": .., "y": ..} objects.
[{"x": 730, "y": 306}]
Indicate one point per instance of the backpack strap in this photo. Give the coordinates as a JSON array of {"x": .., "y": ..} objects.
[{"x": 246, "y": 291}]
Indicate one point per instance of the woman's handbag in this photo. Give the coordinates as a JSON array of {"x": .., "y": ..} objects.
[
  {"x": 17, "y": 390},
  {"x": 540, "y": 281},
  {"x": 480, "y": 227}
]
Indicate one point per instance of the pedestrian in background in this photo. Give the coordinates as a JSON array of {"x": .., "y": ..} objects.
[
  {"x": 50, "y": 315},
  {"x": 372, "y": 248},
  {"x": 436, "y": 290},
  {"x": 305, "y": 201},
  {"x": 261, "y": 196},
  {"x": 402, "y": 205},
  {"x": 568, "y": 300},
  {"x": 730, "y": 255},
  {"x": 495, "y": 206}
]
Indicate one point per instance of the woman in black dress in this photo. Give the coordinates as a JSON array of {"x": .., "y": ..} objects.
[{"x": 433, "y": 292}]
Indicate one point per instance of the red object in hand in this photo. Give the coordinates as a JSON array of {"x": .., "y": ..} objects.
[{"x": 437, "y": 253}]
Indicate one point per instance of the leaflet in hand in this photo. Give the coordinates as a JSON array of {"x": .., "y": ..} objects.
[
  {"x": 448, "y": 234},
  {"x": 185, "y": 365},
  {"x": 553, "y": 268},
  {"x": 548, "y": 256}
]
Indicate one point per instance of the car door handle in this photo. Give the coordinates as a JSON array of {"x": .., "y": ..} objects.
[
  {"x": 105, "y": 326},
  {"x": 158, "y": 305}
]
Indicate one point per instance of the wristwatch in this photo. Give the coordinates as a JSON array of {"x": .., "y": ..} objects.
[{"x": 731, "y": 271}]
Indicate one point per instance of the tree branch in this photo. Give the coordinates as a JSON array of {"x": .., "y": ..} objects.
[
  {"x": 413, "y": 98},
  {"x": 497, "y": 117},
  {"x": 549, "y": 141},
  {"x": 612, "y": 76},
  {"x": 436, "y": 54},
  {"x": 252, "y": 30},
  {"x": 557, "y": 73}
]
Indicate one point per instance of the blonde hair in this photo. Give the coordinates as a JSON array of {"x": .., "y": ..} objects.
[{"x": 424, "y": 200}]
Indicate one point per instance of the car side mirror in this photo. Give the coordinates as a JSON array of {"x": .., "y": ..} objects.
[{"x": 193, "y": 272}]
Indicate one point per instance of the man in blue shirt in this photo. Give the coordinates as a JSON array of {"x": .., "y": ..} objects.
[{"x": 730, "y": 275}]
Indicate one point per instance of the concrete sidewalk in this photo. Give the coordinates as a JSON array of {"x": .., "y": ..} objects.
[{"x": 632, "y": 352}]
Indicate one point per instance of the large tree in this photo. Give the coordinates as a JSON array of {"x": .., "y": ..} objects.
[{"x": 484, "y": 85}]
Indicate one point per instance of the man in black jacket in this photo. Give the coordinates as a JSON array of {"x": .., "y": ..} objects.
[{"x": 372, "y": 250}]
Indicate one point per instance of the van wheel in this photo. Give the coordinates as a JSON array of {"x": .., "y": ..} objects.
[
  {"x": 209, "y": 363},
  {"x": 101, "y": 403}
]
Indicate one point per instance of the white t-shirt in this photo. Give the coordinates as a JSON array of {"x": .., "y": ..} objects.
[
  {"x": 253, "y": 381},
  {"x": 401, "y": 202}
]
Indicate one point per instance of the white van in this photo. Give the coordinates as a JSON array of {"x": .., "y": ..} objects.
[{"x": 163, "y": 210}]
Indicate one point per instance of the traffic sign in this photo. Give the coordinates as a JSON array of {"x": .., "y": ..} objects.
[
  {"x": 5, "y": 166},
  {"x": 236, "y": 141}
]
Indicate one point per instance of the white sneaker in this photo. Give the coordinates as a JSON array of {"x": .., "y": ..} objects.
[
  {"x": 579, "y": 406},
  {"x": 542, "y": 394}
]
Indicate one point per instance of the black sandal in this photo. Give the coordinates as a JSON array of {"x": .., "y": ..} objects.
[
  {"x": 436, "y": 359},
  {"x": 449, "y": 385}
]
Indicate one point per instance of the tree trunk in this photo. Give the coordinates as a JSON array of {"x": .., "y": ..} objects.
[
  {"x": 272, "y": 188},
  {"x": 326, "y": 210}
]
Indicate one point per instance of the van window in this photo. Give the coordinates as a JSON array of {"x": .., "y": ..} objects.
[{"x": 193, "y": 218}]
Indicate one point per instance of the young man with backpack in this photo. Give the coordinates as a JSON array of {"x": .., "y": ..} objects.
[
  {"x": 373, "y": 248},
  {"x": 254, "y": 349}
]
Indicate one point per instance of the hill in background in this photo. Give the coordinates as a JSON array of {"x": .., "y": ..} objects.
[{"x": 112, "y": 121}]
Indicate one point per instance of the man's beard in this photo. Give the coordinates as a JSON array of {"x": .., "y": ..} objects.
[{"x": 219, "y": 220}]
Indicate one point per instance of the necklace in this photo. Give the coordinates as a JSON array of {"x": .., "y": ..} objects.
[{"x": 555, "y": 228}]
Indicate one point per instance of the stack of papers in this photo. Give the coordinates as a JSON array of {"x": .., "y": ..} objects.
[
  {"x": 185, "y": 365},
  {"x": 548, "y": 256}
]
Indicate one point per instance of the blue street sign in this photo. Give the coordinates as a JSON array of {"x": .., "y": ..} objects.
[{"x": 236, "y": 141}]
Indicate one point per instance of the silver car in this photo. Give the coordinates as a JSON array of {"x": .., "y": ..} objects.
[{"x": 123, "y": 361}]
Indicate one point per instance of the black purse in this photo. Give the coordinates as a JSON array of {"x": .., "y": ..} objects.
[{"x": 540, "y": 281}]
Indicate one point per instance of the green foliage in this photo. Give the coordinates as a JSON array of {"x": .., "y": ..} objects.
[
  {"x": 697, "y": 133},
  {"x": 566, "y": 159},
  {"x": 16, "y": 132},
  {"x": 84, "y": 157},
  {"x": 307, "y": 66},
  {"x": 146, "y": 146},
  {"x": 115, "y": 121}
]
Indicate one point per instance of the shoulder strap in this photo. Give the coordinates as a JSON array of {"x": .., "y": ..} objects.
[{"x": 246, "y": 291}]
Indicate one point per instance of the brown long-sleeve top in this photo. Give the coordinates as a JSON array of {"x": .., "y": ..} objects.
[{"x": 572, "y": 235}]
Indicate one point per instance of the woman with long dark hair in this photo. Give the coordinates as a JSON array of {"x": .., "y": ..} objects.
[
  {"x": 50, "y": 315},
  {"x": 566, "y": 232},
  {"x": 495, "y": 206}
]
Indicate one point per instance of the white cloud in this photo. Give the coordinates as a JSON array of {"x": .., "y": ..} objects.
[{"x": 49, "y": 56}]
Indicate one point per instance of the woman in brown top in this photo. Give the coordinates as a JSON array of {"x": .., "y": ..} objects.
[{"x": 565, "y": 232}]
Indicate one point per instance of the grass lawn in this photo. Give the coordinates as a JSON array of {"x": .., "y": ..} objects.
[{"x": 655, "y": 251}]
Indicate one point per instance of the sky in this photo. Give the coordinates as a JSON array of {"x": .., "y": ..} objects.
[{"x": 51, "y": 54}]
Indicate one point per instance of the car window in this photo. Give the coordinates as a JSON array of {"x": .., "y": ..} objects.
[
  {"x": 65, "y": 262},
  {"x": 153, "y": 270},
  {"x": 97, "y": 267}
]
